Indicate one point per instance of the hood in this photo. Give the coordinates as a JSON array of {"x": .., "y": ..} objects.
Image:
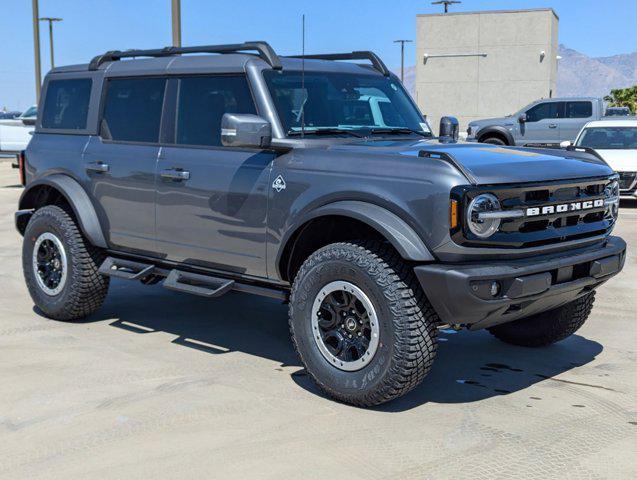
[
  {"x": 620, "y": 160},
  {"x": 492, "y": 121},
  {"x": 485, "y": 164}
]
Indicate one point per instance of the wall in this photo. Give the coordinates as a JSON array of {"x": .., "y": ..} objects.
[{"x": 510, "y": 76}]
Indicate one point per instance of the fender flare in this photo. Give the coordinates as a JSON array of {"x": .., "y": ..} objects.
[
  {"x": 484, "y": 132},
  {"x": 404, "y": 239},
  {"x": 77, "y": 198}
]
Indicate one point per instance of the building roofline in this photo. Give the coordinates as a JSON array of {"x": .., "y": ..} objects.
[{"x": 478, "y": 12}]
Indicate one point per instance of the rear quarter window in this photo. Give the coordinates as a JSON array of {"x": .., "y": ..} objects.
[{"x": 66, "y": 104}]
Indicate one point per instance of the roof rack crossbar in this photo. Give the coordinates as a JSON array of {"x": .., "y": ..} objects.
[
  {"x": 264, "y": 50},
  {"x": 359, "y": 55}
]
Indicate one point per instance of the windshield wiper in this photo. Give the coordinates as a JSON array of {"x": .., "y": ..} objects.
[
  {"x": 326, "y": 131},
  {"x": 398, "y": 130}
]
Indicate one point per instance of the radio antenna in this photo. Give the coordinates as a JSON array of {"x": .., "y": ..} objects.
[{"x": 303, "y": 76}]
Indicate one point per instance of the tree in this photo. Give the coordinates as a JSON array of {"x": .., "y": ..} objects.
[{"x": 623, "y": 97}]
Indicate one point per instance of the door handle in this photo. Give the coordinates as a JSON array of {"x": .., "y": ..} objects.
[
  {"x": 175, "y": 174},
  {"x": 97, "y": 167},
  {"x": 552, "y": 125}
]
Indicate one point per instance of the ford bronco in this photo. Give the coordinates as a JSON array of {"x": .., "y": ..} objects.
[{"x": 314, "y": 180}]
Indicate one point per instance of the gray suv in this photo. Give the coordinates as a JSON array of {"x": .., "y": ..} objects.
[{"x": 316, "y": 182}]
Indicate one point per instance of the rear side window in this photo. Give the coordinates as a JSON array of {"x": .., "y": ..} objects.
[
  {"x": 202, "y": 101},
  {"x": 66, "y": 104},
  {"x": 132, "y": 110},
  {"x": 579, "y": 109}
]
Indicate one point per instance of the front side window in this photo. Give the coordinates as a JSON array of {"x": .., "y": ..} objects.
[
  {"x": 332, "y": 101},
  {"x": 543, "y": 110},
  {"x": 609, "y": 138},
  {"x": 66, "y": 104},
  {"x": 578, "y": 110},
  {"x": 132, "y": 110},
  {"x": 202, "y": 102}
]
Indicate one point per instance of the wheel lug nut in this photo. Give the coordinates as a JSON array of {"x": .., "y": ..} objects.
[
  {"x": 342, "y": 325},
  {"x": 360, "y": 333}
]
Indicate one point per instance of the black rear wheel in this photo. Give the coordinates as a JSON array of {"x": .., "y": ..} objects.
[
  {"x": 61, "y": 267},
  {"x": 361, "y": 324},
  {"x": 548, "y": 327}
]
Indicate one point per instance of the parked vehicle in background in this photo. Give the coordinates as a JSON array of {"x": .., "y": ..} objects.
[
  {"x": 9, "y": 115},
  {"x": 616, "y": 142},
  {"x": 316, "y": 182},
  {"x": 618, "y": 112},
  {"x": 15, "y": 133},
  {"x": 544, "y": 123}
]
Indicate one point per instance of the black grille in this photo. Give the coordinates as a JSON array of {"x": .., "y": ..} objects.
[
  {"x": 545, "y": 228},
  {"x": 626, "y": 180}
]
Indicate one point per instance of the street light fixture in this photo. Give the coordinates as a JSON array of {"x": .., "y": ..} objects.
[
  {"x": 51, "y": 20},
  {"x": 446, "y": 3},
  {"x": 402, "y": 58}
]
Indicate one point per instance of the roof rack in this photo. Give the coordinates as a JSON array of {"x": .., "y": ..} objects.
[
  {"x": 264, "y": 50},
  {"x": 377, "y": 63}
]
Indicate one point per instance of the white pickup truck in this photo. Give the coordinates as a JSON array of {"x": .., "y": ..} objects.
[{"x": 15, "y": 134}]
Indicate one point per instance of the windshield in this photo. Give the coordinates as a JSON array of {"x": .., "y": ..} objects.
[
  {"x": 340, "y": 102},
  {"x": 609, "y": 138},
  {"x": 31, "y": 112}
]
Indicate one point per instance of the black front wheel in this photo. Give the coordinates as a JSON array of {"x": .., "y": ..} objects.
[
  {"x": 61, "y": 267},
  {"x": 361, "y": 324},
  {"x": 549, "y": 327}
]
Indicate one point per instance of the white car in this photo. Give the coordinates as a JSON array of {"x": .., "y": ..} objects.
[
  {"x": 616, "y": 142},
  {"x": 15, "y": 134}
]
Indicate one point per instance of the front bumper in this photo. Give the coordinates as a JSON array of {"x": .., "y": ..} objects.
[{"x": 461, "y": 293}]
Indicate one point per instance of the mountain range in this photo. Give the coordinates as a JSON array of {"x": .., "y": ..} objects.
[{"x": 578, "y": 74}]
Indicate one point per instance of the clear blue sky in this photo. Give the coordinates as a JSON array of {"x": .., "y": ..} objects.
[{"x": 597, "y": 28}]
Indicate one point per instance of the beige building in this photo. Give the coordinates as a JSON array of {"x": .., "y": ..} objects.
[{"x": 477, "y": 65}]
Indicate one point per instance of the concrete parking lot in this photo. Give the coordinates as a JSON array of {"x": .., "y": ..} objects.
[{"x": 164, "y": 385}]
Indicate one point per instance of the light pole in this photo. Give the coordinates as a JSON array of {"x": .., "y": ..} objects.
[
  {"x": 402, "y": 58},
  {"x": 176, "y": 22},
  {"x": 36, "y": 49},
  {"x": 51, "y": 20},
  {"x": 446, "y": 3}
]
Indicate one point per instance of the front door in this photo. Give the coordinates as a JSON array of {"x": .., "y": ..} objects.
[
  {"x": 121, "y": 162},
  {"x": 212, "y": 200},
  {"x": 542, "y": 124}
]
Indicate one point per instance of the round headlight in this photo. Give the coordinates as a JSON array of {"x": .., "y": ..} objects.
[
  {"x": 483, "y": 227},
  {"x": 611, "y": 200}
]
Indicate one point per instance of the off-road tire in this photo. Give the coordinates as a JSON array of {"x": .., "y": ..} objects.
[
  {"x": 85, "y": 289},
  {"x": 407, "y": 322},
  {"x": 493, "y": 141},
  {"x": 546, "y": 328}
]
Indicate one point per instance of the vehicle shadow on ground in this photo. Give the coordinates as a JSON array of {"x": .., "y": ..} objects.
[{"x": 470, "y": 366}]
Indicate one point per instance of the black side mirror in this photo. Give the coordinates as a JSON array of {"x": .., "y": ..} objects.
[
  {"x": 449, "y": 130},
  {"x": 245, "y": 130},
  {"x": 28, "y": 121},
  {"x": 522, "y": 118}
]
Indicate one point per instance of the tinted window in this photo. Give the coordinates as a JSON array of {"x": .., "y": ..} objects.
[
  {"x": 579, "y": 109},
  {"x": 66, "y": 104},
  {"x": 542, "y": 111},
  {"x": 132, "y": 110},
  {"x": 609, "y": 138},
  {"x": 202, "y": 101}
]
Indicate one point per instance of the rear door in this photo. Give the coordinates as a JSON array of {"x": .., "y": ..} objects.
[
  {"x": 576, "y": 115},
  {"x": 212, "y": 200},
  {"x": 542, "y": 124},
  {"x": 122, "y": 159}
]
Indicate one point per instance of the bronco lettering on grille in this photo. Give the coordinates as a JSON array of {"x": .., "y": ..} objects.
[{"x": 564, "y": 207}]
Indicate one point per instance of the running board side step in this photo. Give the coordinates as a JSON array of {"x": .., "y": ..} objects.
[
  {"x": 195, "y": 284},
  {"x": 126, "y": 269}
]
